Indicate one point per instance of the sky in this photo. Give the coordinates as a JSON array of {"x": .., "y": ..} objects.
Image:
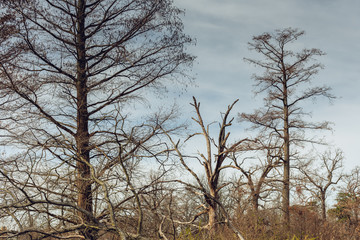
[{"x": 222, "y": 30}]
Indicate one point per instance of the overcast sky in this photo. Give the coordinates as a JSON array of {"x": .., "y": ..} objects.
[{"x": 223, "y": 28}]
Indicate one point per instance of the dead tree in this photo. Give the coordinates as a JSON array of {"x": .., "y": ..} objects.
[
  {"x": 213, "y": 165},
  {"x": 258, "y": 175},
  {"x": 285, "y": 82},
  {"x": 322, "y": 175}
]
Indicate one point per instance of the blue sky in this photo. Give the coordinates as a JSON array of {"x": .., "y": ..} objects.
[{"x": 222, "y": 30}]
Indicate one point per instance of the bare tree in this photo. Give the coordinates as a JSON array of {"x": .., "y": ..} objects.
[
  {"x": 213, "y": 165},
  {"x": 322, "y": 177},
  {"x": 258, "y": 175},
  {"x": 347, "y": 207},
  {"x": 285, "y": 82},
  {"x": 64, "y": 100}
]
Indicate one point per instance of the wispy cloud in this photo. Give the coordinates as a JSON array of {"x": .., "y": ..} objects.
[{"x": 223, "y": 28}]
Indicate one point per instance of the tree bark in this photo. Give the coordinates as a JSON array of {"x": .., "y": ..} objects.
[
  {"x": 255, "y": 202},
  {"x": 84, "y": 200},
  {"x": 213, "y": 204},
  {"x": 212, "y": 218},
  {"x": 323, "y": 205},
  {"x": 286, "y": 177}
]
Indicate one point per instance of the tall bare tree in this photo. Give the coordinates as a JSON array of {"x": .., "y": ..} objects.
[
  {"x": 285, "y": 82},
  {"x": 213, "y": 165},
  {"x": 64, "y": 95}
]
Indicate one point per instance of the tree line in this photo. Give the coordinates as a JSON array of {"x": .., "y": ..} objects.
[{"x": 77, "y": 165}]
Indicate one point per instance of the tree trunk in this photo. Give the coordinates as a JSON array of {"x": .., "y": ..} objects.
[
  {"x": 286, "y": 148},
  {"x": 212, "y": 218},
  {"x": 82, "y": 135},
  {"x": 323, "y": 205},
  {"x": 286, "y": 195},
  {"x": 255, "y": 202},
  {"x": 213, "y": 205}
]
